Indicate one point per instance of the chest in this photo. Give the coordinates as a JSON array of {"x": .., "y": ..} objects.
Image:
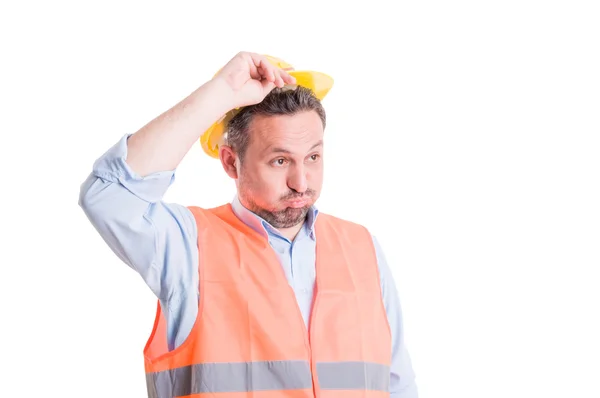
[{"x": 297, "y": 259}]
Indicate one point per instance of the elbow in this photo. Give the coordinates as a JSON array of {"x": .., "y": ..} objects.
[
  {"x": 109, "y": 205},
  {"x": 98, "y": 199},
  {"x": 86, "y": 195}
]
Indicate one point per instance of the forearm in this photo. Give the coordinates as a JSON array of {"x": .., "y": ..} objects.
[{"x": 161, "y": 144}]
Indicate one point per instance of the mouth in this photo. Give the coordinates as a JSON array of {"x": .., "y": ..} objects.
[{"x": 296, "y": 204}]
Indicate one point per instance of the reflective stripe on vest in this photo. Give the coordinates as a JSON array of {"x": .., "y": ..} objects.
[{"x": 266, "y": 376}]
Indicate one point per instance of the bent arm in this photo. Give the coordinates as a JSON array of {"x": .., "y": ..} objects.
[
  {"x": 122, "y": 198},
  {"x": 156, "y": 239},
  {"x": 162, "y": 143}
]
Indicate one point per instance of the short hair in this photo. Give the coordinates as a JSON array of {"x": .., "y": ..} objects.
[{"x": 280, "y": 101}]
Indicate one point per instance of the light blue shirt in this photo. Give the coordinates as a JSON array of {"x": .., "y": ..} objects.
[{"x": 159, "y": 241}]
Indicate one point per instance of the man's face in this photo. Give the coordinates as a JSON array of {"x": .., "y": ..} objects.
[{"x": 282, "y": 171}]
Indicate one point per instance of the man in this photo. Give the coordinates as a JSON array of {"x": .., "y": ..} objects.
[{"x": 265, "y": 296}]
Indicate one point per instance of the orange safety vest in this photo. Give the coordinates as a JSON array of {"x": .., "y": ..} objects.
[{"x": 249, "y": 339}]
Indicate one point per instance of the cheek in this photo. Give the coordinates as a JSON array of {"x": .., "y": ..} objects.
[
  {"x": 266, "y": 186},
  {"x": 315, "y": 177},
  {"x": 274, "y": 184}
]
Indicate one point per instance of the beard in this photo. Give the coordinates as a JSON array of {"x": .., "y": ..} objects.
[{"x": 287, "y": 217}]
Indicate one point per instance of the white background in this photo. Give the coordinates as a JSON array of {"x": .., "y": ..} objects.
[{"x": 464, "y": 134}]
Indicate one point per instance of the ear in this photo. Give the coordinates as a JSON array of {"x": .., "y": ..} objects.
[{"x": 229, "y": 161}]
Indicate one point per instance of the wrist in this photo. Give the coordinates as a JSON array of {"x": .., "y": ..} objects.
[
  {"x": 220, "y": 94},
  {"x": 209, "y": 102}
]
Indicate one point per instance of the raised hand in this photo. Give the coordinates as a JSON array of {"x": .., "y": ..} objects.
[{"x": 251, "y": 77}]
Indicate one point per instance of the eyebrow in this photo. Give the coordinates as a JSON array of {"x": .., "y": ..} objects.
[{"x": 283, "y": 150}]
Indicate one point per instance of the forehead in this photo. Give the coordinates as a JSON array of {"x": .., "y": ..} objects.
[{"x": 296, "y": 133}]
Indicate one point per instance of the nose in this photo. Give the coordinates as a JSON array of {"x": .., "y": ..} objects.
[{"x": 297, "y": 180}]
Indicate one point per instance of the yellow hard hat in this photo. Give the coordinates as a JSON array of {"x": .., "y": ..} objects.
[{"x": 318, "y": 82}]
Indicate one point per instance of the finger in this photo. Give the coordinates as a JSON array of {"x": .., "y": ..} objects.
[
  {"x": 253, "y": 64},
  {"x": 261, "y": 73},
  {"x": 284, "y": 78},
  {"x": 277, "y": 80},
  {"x": 280, "y": 82},
  {"x": 268, "y": 70},
  {"x": 268, "y": 77},
  {"x": 255, "y": 72},
  {"x": 287, "y": 78}
]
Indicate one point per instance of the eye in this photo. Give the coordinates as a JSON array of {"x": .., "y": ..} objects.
[
  {"x": 314, "y": 157},
  {"x": 279, "y": 162}
]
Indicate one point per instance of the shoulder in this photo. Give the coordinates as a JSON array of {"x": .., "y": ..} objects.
[
  {"x": 343, "y": 228},
  {"x": 202, "y": 214},
  {"x": 329, "y": 218}
]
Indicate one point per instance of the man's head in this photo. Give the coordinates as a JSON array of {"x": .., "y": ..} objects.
[{"x": 274, "y": 152}]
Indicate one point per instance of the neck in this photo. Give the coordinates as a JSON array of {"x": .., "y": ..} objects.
[{"x": 291, "y": 232}]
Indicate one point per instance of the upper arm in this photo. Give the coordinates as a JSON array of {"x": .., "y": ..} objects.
[
  {"x": 402, "y": 376},
  {"x": 156, "y": 239}
]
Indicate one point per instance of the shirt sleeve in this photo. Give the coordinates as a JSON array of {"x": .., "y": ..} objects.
[
  {"x": 156, "y": 239},
  {"x": 402, "y": 375}
]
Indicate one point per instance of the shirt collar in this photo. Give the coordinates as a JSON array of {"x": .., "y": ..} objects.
[{"x": 261, "y": 226}]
